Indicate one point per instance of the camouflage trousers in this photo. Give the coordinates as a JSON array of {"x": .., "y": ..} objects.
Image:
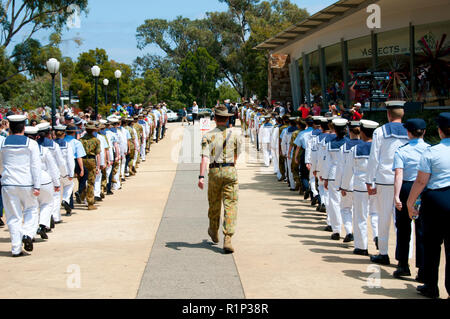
[
  {"x": 130, "y": 162},
  {"x": 295, "y": 167},
  {"x": 114, "y": 171},
  {"x": 104, "y": 181},
  {"x": 281, "y": 166},
  {"x": 223, "y": 187},
  {"x": 88, "y": 192}
]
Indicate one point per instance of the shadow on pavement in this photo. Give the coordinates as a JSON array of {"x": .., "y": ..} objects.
[{"x": 203, "y": 245}]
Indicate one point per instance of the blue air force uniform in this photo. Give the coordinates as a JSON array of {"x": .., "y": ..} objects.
[
  {"x": 435, "y": 210},
  {"x": 407, "y": 159}
]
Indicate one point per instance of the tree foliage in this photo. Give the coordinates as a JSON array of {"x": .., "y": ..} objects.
[{"x": 229, "y": 37}]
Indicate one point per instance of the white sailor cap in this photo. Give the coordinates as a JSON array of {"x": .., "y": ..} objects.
[
  {"x": 103, "y": 121},
  {"x": 17, "y": 118},
  {"x": 395, "y": 104},
  {"x": 45, "y": 126},
  {"x": 293, "y": 118},
  {"x": 358, "y": 104},
  {"x": 354, "y": 123},
  {"x": 324, "y": 119},
  {"x": 31, "y": 130},
  {"x": 60, "y": 127},
  {"x": 369, "y": 124},
  {"x": 114, "y": 120},
  {"x": 317, "y": 117},
  {"x": 340, "y": 122}
]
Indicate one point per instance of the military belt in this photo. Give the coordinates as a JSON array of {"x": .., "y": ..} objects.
[
  {"x": 217, "y": 165},
  {"x": 90, "y": 157}
]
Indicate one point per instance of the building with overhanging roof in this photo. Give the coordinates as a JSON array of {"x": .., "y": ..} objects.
[{"x": 318, "y": 59}]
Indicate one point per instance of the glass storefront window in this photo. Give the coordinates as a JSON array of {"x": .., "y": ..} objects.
[
  {"x": 314, "y": 73},
  {"x": 359, "y": 60},
  {"x": 302, "y": 81},
  {"x": 335, "y": 85},
  {"x": 394, "y": 57},
  {"x": 432, "y": 60}
]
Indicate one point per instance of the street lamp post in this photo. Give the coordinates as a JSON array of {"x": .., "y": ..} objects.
[
  {"x": 96, "y": 73},
  {"x": 118, "y": 75},
  {"x": 106, "y": 83},
  {"x": 53, "y": 68}
]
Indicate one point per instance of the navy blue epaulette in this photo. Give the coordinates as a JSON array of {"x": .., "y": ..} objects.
[
  {"x": 396, "y": 130},
  {"x": 350, "y": 144},
  {"x": 16, "y": 141},
  {"x": 336, "y": 144},
  {"x": 363, "y": 150}
]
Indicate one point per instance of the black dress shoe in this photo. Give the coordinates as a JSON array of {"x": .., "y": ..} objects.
[
  {"x": 48, "y": 230},
  {"x": 336, "y": 236},
  {"x": 429, "y": 292},
  {"x": 1, "y": 223},
  {"x": 402, "y": 272},
  {"x": 328, "y": 229},
  {"x": 21, "y": 254},
  {"x": 52, "y": 223},
  {"x": 362, "y": 252},
  {"x": 78, "y": 198},
  {"x": 41, "y": 232},
  {"x": 322, "y": 209},
  {"x": 380, "y": 259},
  {"x": 376, "y": 242},
  {"x": 109, "y": 193},
  {"x": 67, "y": 208},
  {"x": 58, "y": 222},
  {"x": 306, "y": 195},
  {"x": 315, "y": 200},
  {"x": 98, "y": 199},
  {"x": 28, "y": 243},
  {"x": 420, "y": 276},
  {"x": 348, "y": 238}
]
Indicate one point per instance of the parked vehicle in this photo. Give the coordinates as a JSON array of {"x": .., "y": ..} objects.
[{"x": 172, "y": 116}]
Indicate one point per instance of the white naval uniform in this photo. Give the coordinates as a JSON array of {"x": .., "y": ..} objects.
[
  {"x": 274, "y": 145},
  {"x": 55, "y": 150},
  {"x": 354, "y": 178},
  {"x": 124, "y": 136},
  {"x": 265, "y": 134},
  {"x": 111, "y": 137},
  {"x": 386, "y": 140},
  {"x": 331, "y": 172},
  {"x": 98, "y": 177},
  {"x": 20, "y": 166},
  {"x": 321, "y": 156},
  {"x": 50, "y": 178},
  {"x": 311, "y": 158},
  {"x": 67, "y": 184}
]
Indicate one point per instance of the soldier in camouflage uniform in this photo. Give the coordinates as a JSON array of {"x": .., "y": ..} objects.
[
  {"x": 221, "y": 147},
  {"x": 131, "y": 147},
  {"x": 140, "y": 136},
  {"x": 91, "y": 161},
  {"x": 295, "y": 163},
  {"x": 282, "y": 159}
]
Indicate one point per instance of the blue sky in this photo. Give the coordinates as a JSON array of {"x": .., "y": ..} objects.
[{"x": 111, "y": 24}]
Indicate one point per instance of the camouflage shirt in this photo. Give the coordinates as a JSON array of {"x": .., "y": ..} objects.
[
  {"x": 91, "y": 144},
  {"x": 220, "y": 145}
]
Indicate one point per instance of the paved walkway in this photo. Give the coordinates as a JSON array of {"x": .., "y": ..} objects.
[{"x": 150, "y": 241}]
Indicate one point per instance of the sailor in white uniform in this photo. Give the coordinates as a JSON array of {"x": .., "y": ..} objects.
[
  {"x": 20, "y": 167},
  {"x": 274, "y": 146},
  {"x": 380, "y": 177},
  {"x": 45, "y": 141},
  {"x": 50, "y": 183},
  {"x": 310, "y": 158},
  {"x": 265, "y": 134},
  {"x": 331, "y": 174},
  {"x": 103, "y": 162},
  {"x": 66, "y": 181},
  {"x": 354, "y": 178}
]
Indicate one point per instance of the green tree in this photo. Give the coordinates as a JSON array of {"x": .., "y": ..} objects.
[{"x": 199, "y": 73}]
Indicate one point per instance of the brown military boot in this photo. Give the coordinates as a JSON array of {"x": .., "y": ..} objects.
[
  {"x": 227, "y": 244},
  {"x": 92, "y": 207},
  {"x": 214, "y": 236}
]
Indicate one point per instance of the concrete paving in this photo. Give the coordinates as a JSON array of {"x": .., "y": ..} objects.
[
  {"x": 102, "y": 253},
  {"x": 150, "y": 240},
  {"x": 184, "y": 263}
]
